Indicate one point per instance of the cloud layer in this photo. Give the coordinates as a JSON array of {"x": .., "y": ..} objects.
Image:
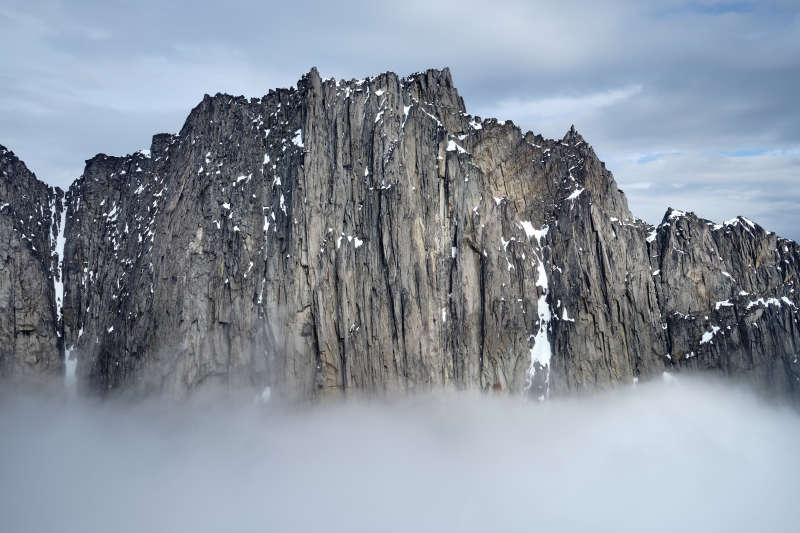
[
  {"x": 691, "y": 104},
  {"x": 683, "y": 456}
]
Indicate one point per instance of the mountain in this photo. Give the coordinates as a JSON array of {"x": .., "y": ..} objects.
[
  {"x": 31, "y": 220},
  {"x": 371, "y": 235}
]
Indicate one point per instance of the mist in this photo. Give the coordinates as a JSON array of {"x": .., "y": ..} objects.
[{"x": 680, "y": 456}]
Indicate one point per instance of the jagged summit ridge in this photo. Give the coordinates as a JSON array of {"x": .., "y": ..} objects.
[
  {"x": 372, "y": 235},
  {"x": 437, "y": 77}
]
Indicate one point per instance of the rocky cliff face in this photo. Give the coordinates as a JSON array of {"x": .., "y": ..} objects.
[
  {"x": 371, "y": 235},
  {"x": 31, "y": 219},
  {"x": 728, "y": 298}
]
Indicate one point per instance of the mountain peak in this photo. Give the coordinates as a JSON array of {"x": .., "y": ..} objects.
[
  {"x": 371, "y": 235},
  {"x": 572, "y": 136}
]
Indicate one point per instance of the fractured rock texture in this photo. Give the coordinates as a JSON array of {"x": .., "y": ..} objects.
[
  {"x": 30, "y": 224},
  {"x": 371, "y": 235}
]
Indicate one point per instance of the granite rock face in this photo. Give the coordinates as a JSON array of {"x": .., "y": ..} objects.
[
  {"x": 370, "y": 235},
  {"x": 31, "y": 220},
  {"x": 728, "y": 294}
]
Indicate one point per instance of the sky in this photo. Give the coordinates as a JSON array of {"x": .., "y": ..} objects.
[{"x": 691, "y": 105}]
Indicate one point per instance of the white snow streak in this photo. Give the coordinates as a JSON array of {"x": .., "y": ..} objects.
[
  {"x": 575, "y": 194},
  {"x": 541, "y": 351}
]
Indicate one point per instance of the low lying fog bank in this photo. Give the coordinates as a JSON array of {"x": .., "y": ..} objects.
[{"x": 659, "y": 457}]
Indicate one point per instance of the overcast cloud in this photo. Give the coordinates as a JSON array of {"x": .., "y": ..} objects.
[{"x": 691, "y": 104}]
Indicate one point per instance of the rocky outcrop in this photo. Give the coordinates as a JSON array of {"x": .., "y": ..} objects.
[
  {"x": 30, "y": 223},
  {"x": 371, "y": 235},
  {"x": 728, "y": 298}
]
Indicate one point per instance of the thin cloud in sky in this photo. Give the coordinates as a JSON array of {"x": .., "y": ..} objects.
[
  {"x": 562, "y": 107},
  {"x": 763, "y": 187}
]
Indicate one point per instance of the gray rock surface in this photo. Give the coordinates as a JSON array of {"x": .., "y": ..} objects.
[
  {"x": 728, "y": 295},
  {"x": 370, "y": 235},
  {"x": 30, "y": 225}
]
